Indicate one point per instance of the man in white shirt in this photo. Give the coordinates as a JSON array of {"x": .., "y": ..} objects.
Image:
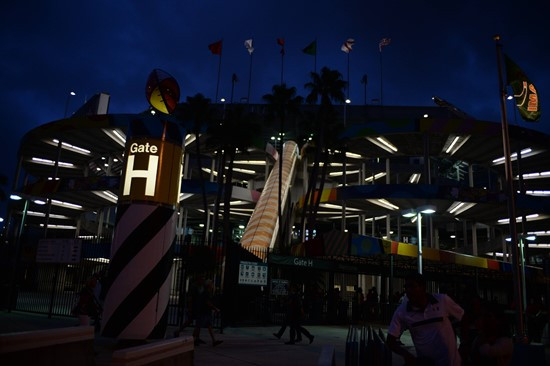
[{"x": 427, "y": 317}]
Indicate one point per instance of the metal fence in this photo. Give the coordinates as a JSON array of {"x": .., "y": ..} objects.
[{"x": 53, "y": 288}]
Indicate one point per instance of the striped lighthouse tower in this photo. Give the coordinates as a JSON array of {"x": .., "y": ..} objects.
[{"x": 140, "y": 270}]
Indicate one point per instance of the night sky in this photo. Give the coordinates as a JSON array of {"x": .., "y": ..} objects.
[{"x": 442, "y": 48}]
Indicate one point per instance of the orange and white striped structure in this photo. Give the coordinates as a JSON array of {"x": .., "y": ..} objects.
[{"x": 262, "y": 228}]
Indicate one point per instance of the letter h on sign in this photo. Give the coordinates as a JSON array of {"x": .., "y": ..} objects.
[{"x": 150, "y": 175}]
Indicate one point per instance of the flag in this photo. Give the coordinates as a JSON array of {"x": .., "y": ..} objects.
[
  {"x": 234, "y": 78},
  {"x": 216, "y": 48},
  {"x": 248, "y": 45},
  {"x": 527, "y": 98},
  {"x": 364, "y": 79},
  {"x": 347, "y": 45},
  {"x": 281, "y": 42},
  {"x": 311, "y": 49},
  {"x": 384, "y": 42}
]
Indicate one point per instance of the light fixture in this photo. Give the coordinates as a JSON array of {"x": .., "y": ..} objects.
[
  {"x": 524, "y": 153},
  {"x": 454, "y": 143},
  {"x": 337, "y": 207},
  {"x": 51, "y": 162},
  {"x": 376, "y": 176},
  {"x": 340, "y": 173},
  {"x": 39, "y": 202},
  {"x": 189, "y": 138},
  {"x": 249, "y": 162},
  {"x": 518, "y": 219},
  {"x": 383, "y": 203},
  {"x": 66, "y": 204},
  {"x": 415, "y": 178},
  {"x": 348, "y": 101},
  {"x": 67, "y": 146},
  {"x": 383, "y": 144},
  {"x": 457, "y": 207},
  {"x": 116, "y": 135},
  {"x": 15, "y": 197}
]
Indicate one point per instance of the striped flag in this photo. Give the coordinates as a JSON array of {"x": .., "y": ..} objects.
[
  {"x": 347, "y": 45},
  {"x": 384, "y": 42},
  {"x": 248, "y": 45}
]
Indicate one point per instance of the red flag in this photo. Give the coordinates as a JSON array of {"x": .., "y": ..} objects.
[
  {"x": 281, "y": 42},
  {"x": 383, "y": 42},
  {"x": 216, "y": 48}
]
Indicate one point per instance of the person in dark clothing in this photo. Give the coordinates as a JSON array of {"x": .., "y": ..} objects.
[
  {"x": 201, "y": 309},
  {"x": 286, "y": 323},
  {"x": 294, "y": 314},
  {"x": 87, "y": 306}
]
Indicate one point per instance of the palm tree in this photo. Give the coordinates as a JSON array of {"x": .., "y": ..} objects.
[
  {"x": 198, "y": 110},
  {"x": 282, "y": 103},
  {"x": 328, "y": 86},
  {"x": 237, "y": 131},
  {"x": 3, "y": 182}
]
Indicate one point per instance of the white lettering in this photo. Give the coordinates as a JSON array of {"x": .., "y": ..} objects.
[
  {"x": 150, "y": 174},
  {"x": 143, "y": 148},
  {"x": 303, "y": 262}
]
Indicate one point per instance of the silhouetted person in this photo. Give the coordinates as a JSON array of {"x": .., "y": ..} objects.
[
  {"x": 201, "y": 309},
  {"x": 295, "y": 312},
  {"x": 87, "y": 306}
]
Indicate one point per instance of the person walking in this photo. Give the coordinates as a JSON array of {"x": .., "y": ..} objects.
[
  {"x": 427, "y": 317},
  {"x": 287, "y": 322},
  {"x": 294, "y": 313},
  {"x": 201, "y": 309}
]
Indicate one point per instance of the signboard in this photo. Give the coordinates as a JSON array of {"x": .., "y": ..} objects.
[
  {"x": 279, "y": 287},
  {"x": 253, "y": 273},
  {"x": 59, "y": 251},
  {"x": 152, "y": 172}
]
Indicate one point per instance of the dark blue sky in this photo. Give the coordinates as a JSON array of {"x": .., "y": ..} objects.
[{"x": 442, "y": 48}]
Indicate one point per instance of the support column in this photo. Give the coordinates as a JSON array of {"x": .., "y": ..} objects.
[
  {"x": 474, "y": 238},
  {"x": 141, "y": 267},
  {"x": 465, "y": 234}
]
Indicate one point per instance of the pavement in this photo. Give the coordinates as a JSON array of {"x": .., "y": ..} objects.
[{"x": 240, "y": 346}]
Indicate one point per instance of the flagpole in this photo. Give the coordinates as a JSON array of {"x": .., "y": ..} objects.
[
  {"x": 381, "y": 98},
  {"x": 249, "y": 79},
  {"x": 520, "y": 336},
  {"x": 315, "y": 57},
  {"x": 233, "y": 81},
  {"x": 282, "y": 64},
  {"x": 364, "y": 82},
  {"x": 219, "y": 72}
]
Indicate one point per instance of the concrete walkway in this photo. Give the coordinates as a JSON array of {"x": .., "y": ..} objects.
[
  {"x": 241, "y": 346},
  {"x": 257, "y": 346}
]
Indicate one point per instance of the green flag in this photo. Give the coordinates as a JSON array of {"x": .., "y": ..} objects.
[
  {"x": 527, "y": 98},
  {"x": 311, "y": 49}
]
